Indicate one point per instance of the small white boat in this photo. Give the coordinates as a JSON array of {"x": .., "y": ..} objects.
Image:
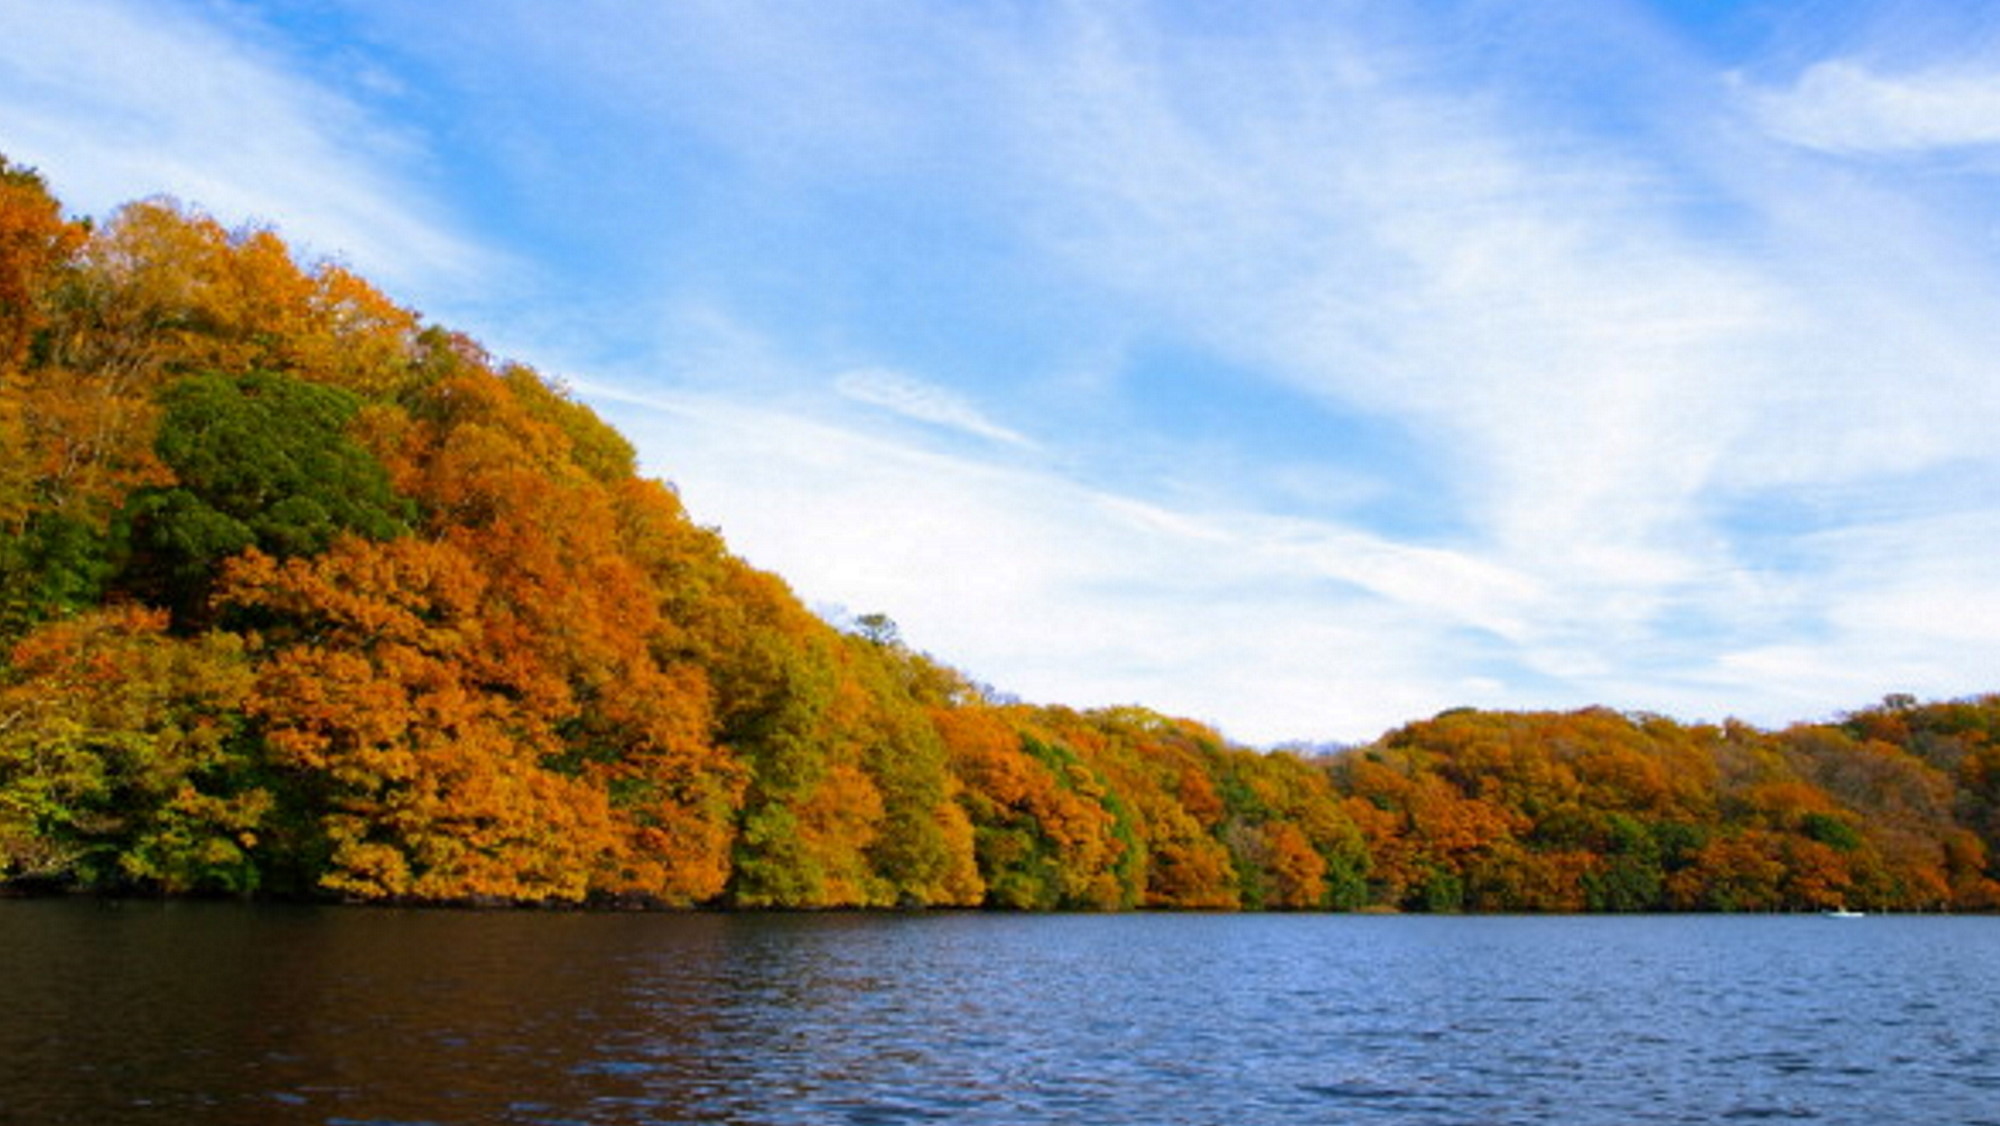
[{"x": 1841, "y": 913}]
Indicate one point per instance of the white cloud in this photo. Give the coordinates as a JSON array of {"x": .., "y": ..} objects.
[
  {"x": 1375, "y": 237},
  {"x": 1595, "y": 364},
  {"x": 1843, "y": 106},
  {"x": 116, "y": 101},
  {"x": 925, "y": 402},
  {"x": 1062, "y": 592}
]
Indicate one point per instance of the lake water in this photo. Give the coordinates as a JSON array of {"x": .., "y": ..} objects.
[{"x": 191, "y": 1013}]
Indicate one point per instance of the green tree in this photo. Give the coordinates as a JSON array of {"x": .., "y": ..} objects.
[{"x": 259, "y": 461}]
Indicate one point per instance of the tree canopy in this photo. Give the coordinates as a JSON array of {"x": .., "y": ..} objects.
[{"x": 299, "y": 595}]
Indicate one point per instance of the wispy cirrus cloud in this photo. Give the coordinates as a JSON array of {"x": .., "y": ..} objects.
[
  {"x": 116, "y": 101},
  {"x": 1343, "y": 220},
  {"x": 931, "y": 403},
  {"x": 1275, "y": 630},
  {"x": 1610, "y": 344},
  {"x": 1845, "y": 106}
]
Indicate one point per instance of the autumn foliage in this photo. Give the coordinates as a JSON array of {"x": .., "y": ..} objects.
[{"x": 299, "y": 595}]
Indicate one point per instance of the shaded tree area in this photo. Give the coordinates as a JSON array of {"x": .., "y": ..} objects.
[{"x": 300, "y": 595}]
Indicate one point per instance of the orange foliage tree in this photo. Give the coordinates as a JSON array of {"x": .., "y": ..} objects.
[
  {"x": 426, "y": 775},
  {"x": 433, "y": 638}
]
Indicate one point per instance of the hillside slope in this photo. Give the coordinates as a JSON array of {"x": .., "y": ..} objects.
[{"x": 301, "y": 595}]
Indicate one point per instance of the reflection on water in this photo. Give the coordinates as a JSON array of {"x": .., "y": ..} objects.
[{"x": 225, "y": 1013}]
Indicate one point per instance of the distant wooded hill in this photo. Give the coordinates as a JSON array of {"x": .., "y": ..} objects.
[{"x": 300, "y": 595}]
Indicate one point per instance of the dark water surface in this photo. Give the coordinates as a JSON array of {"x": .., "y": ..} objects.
[{"x": 225, "y": 1013}]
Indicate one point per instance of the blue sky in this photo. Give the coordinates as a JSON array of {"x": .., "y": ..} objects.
[{"x": 1304, "y": 368}]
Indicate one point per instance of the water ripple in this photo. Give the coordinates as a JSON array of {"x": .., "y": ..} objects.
[{"x": 227, "y": 1014}]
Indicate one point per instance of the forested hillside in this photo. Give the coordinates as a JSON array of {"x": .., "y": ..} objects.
[{"x": 301, "y": 595}]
